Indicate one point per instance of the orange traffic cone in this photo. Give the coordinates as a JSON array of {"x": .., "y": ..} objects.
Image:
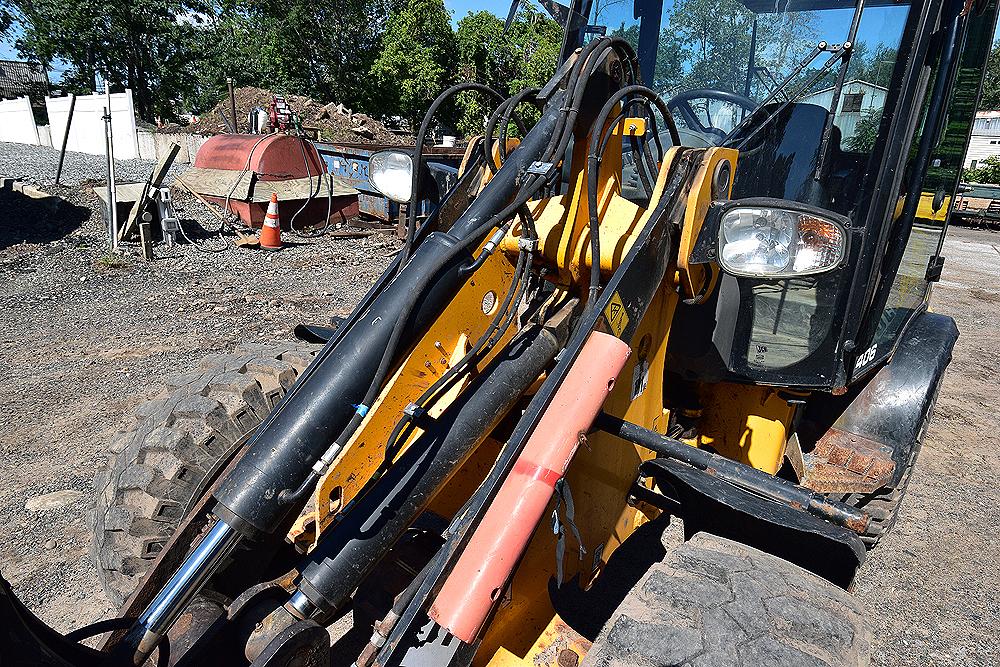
[{"x": 270, "y": 233}]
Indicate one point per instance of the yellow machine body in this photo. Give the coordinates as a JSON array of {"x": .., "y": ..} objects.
[{"x": 746, "y": 423}]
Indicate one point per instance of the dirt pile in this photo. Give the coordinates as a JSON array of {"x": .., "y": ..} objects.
[{"x": 334, "y": 121}]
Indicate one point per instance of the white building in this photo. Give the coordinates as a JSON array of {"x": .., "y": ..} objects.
[
  {"x": 857, "y": 99},
  {"x": 985, "y": 141}
]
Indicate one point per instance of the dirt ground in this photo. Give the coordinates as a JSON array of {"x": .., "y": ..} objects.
[
  {"x": 84, "y": 338},
  {"x": 932, "y": 588}
]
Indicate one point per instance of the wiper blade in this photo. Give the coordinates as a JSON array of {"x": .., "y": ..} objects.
[{"x": 838, "y": 54}]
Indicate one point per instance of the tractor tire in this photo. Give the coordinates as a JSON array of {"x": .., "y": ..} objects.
[
  {"x": 179, "y": 444},
  {"x": 712, "y": 601},
  {"x": 883, "y": 505}
]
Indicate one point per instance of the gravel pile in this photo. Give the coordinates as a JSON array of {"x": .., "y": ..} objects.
[{"x": 38, "y": 164}]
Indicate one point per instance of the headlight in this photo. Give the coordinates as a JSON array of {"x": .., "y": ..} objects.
[
  {"x": 774, "y": 242},
  {"x": 391, "y": 173}
]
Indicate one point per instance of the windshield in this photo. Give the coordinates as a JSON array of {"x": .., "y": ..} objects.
[{"x": 718, "y": 60}]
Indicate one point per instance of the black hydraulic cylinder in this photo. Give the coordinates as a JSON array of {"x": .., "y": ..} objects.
[
  {"x": 317, "y": 410},
  {"x": 347, "y": 553},
  {"x": 296, "y": 437}
]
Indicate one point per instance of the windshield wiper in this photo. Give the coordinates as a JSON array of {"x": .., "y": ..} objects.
[{"x": 838, "y": 54}]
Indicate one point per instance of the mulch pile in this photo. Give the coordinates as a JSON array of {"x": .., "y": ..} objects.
[{"x": 335, "y": 122}]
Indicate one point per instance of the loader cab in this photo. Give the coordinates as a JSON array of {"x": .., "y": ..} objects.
[{"x": 851, "y": 120}]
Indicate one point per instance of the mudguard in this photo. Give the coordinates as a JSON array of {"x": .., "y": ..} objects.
[
  {"x": 707, "y": 503},
  {"x": 869, "y": 444}
]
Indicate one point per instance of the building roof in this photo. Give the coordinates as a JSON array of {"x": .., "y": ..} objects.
[
  {"x": 19, "y": 78},
  {"x": 867, "y": 84}
]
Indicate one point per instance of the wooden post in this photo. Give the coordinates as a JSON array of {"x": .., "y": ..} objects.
[
  {"x": 153, "y": 183},
  {"x": 69, "y": 121},
  {"x": 146, "y": 235}
]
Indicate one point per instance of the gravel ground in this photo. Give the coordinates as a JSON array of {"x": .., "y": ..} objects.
[
  {"x": 38, "y": 164},
  {"x": 85, "y": 336}
]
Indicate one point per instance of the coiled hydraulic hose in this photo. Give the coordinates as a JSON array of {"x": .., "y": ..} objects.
[{"x": 501, "y": 118}]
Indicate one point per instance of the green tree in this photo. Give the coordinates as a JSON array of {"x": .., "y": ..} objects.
[
  {"x": 176, "y": 54},
  {"x": 706, "y": 44},
  {"x": 483, "y": 59},
  {"x": 524, "y": 57},
  {"x": 418, "y": 59},
  {"x": 988, "y": 171},
  {"x": 293, "y": 46},
  {"x": 991, "y": 81},
  {"x": 866, "y": 132},
  {"x": 142, "y": 46}
]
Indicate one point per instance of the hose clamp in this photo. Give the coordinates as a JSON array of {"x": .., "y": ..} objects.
[{"x": 530, "y": 245}]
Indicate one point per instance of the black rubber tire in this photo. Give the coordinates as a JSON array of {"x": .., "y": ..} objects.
[
  {"x": 712, "y": 601},
  {"x": 883, "y": 505},
  {"x": 179, "y": 443}
]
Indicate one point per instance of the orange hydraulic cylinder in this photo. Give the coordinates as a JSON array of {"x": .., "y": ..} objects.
[{"x": 487, "y": 562}]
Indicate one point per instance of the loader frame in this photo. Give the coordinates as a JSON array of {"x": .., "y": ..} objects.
[{"x": 435, "y": 397}]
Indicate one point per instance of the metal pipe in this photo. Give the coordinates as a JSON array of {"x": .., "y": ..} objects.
[
  {"x": 737, "y": 474},
  {"x": 112, "y": 184},
  {"x": 186, "y": 582},
  {"x": 348, "y": 551},
  {"x": 485, "y": 566},
  {"x": 108, "y": 167},
  {"x": 286, "y": 445},
  {"x": 62, "y": 151},
  {"x": 232, "y": 103}
]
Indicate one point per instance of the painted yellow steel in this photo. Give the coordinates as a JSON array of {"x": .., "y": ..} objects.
[
  {"x": 559, "y": 645},
  {"x": 563, "y": 222},
  {"x": 634, "y": 126},
  {"x": 602, "y": 471},
  {"x": 447, "y": 340},
  {"x": 746, "y": 423},
  {"x": 692, "y": 277}
]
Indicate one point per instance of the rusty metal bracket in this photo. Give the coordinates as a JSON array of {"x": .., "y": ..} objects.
[{"x": 844, "y": 462}]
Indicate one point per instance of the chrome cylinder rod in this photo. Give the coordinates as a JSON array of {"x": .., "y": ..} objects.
[{"x": 186, "y": 582}]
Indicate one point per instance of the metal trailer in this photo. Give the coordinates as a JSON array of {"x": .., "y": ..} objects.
[{"x": 978, "y": 205}]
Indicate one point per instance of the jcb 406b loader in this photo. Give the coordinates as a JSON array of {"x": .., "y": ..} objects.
[{"x": 694, "y": 292}]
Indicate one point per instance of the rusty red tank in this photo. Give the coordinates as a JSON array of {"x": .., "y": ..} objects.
[{"x": 240, "y": 171}]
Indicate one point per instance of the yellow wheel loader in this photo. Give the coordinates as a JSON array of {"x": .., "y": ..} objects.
[{"x": 690, "y": 299}]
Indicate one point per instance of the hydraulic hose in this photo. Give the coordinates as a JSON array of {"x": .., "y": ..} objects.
[
  {"x": 348, "y": 552},
  {"x": 337, "y": 389},
  {"x": 594, "y": 156},
  {"x": 418, "y": 156},
  {"x": 502, "y": 116}
]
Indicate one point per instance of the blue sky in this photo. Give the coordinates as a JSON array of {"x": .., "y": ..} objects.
[{"x": 460, "y": 8}]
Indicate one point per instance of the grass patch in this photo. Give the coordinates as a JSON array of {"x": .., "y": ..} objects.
[{"x": 113, "y": 262}]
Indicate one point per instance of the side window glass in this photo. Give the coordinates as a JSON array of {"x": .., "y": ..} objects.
[{"x": 909, "y": 287}]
